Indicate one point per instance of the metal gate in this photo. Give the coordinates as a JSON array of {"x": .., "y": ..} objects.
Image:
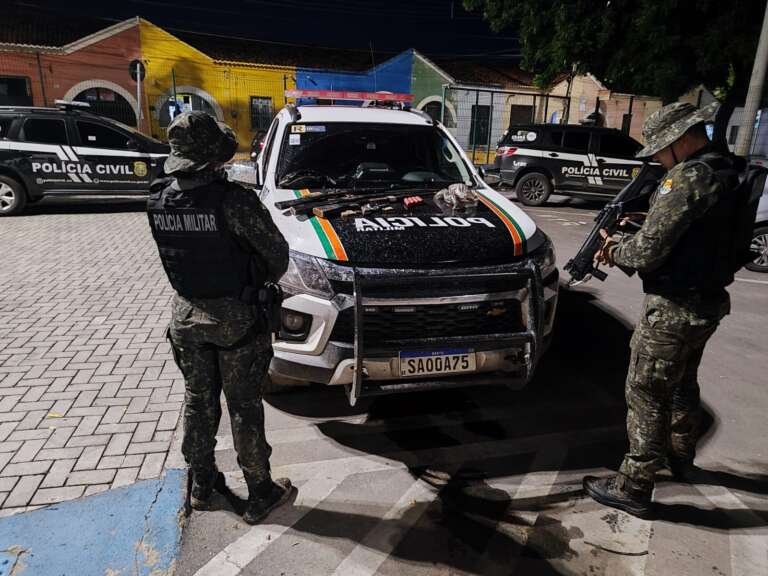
[{"x": 479, "y": 116}]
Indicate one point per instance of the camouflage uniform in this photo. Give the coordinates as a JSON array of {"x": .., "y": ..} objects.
[
  {"x": 662, "y": 390},
  {"x": 219, "y": 343},
  {"x": 217, "y": 350}
]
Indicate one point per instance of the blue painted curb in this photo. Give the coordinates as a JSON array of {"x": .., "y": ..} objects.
[{"x": 129, "y": 531}]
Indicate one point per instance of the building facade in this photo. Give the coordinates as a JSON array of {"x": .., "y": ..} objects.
[{"x": 243, "y": 82}]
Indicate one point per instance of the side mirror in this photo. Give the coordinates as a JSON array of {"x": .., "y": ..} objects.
[{"x": 132, "y": 145}]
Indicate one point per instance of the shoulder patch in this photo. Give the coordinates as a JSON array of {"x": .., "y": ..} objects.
[{"x": 665, "y": 187}]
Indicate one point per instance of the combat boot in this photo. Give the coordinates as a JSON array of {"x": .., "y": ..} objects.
[
  {"x": 203, "y": 482},
  {"x": 622, "y": 493},
  {"x": 265, "y": 497},
  {"x": 683, "y": 469}
]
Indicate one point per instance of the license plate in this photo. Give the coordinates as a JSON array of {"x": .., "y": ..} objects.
[{"x": 436, "y": 362}]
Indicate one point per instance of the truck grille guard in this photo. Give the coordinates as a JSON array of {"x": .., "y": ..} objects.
[{"x": 532, "y": 335}]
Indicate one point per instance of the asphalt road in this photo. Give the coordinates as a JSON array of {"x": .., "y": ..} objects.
[{"x": 488, "y": 481}]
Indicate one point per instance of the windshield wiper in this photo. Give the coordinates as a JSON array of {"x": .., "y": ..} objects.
[{"x": 305, "y": 175}]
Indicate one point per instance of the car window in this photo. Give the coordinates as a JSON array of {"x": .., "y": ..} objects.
[
  {"x": 517, "y": 137},
  {"x": 44, "y": 131},
  {"x": 360, "y": 152},
  {"x": 618, "y": 145},
  {"x": 557, "y": 137},
  {"x": 576, "y": 140},
  {"x": 5, "y": 126},
  {"x": 99, "y": 136}
]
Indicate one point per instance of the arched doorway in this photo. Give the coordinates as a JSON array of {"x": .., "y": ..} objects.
[
  {"x": 187, "y": 101},
  {"x": 434, "y": 107},
  {"x": 107, "y": 102}
]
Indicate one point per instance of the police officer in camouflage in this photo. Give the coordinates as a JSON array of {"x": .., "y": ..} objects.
[
  {"x": 218, "y": 244},
  {"x": 683, "y": 255}
]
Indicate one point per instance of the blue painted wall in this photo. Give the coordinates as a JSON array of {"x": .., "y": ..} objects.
[{"x": 394, "y": 75}]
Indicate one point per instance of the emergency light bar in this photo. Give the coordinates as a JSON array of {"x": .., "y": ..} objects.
[{"x": 349, "y": 95}]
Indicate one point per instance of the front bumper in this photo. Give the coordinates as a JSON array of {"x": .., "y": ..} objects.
[{"x": 365, "y": 357}]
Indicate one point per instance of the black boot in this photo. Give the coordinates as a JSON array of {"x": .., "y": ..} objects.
[
  {"x": 682, "y": 468},
  {"x": 264, "y": 498},
  {"x": 203, "y": 482},
  {"x": 620, "y": 492}
]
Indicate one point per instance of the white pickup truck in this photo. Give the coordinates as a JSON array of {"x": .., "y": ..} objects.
[{"x": 386, "y": 295}]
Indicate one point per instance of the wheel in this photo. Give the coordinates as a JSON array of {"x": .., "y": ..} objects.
[
  {"x": 533, "y": 189},
  {"x": 759, "y": 245},
  {"x": 12, "y": 197}
]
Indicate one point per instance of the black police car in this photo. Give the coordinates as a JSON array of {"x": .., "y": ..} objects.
[
  {"x": 69, "y": 151},
  {"x": 538, "y": 160}
]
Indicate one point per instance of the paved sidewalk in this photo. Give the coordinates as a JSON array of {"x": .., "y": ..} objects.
[{"x": 89, "y": 394}]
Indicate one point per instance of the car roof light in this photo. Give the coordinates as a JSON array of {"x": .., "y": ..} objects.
[{"x": 349, "y": 95}]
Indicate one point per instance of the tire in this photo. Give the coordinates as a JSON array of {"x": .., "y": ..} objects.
[
  {"x": 533, "y": 189},
  {"x": 759, "y": 244},
  {"x": 13, "y": 197}
]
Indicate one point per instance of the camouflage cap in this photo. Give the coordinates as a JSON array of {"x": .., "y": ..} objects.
[
  {"x": 665, "y": 126},
  {"x": 197, "y": 142}
]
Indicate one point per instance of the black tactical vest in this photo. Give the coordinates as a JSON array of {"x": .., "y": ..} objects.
[
  {"x": 702, "y": 261},
  {"x": 201, "y": 256}
]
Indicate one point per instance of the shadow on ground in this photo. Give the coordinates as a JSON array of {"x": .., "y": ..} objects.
[
  {"x": 578, "y": 389},
  {"x": 86, "y": 205}
]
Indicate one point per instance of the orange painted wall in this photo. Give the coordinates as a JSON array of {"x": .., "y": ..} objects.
[{"x": 104, "y": 60}]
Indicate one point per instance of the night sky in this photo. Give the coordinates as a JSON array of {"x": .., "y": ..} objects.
[{"x": 440, "y": 28}]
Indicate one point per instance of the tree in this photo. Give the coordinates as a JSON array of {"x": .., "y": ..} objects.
[{"x": 656, "y": 47}]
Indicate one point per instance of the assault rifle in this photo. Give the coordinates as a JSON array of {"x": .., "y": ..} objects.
[
  {"x": 334, "y": 206},
  {"x": 300, "y": 205},
  {"x": 635, "y": 195}
]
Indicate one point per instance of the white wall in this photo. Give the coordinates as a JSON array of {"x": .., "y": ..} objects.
[{"x": 760, "y": 135}]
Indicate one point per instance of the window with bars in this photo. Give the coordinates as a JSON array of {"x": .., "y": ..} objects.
[{"x": 261, "y": 112}]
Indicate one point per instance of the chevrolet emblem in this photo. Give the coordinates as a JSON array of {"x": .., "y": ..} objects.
[{"x": 496, "y": 312}]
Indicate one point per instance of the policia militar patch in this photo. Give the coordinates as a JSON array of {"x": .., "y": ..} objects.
[{"x": 185, "y": 221}]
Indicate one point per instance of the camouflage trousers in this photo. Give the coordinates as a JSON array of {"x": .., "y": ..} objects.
[
  {"x": 217, "y": 357},
  {"x": 662, "y": 388}
]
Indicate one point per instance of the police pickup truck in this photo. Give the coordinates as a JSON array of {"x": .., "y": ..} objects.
[
  {"x": 538, "y": 160},
  {"x": 388, "y": 288},
  {"x": 68, "y": 151}
]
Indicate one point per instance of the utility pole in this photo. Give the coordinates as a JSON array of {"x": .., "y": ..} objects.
[
  {"x": 755, "y": 93},
  {"x": 138, "y": 94}
]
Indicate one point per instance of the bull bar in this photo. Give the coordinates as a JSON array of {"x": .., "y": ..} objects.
[{"x": 532, "y": 335}]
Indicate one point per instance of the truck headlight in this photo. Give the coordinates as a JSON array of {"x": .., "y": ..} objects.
[
  {"x": 305, "y": 276},
  {"x": 545, "y": 258}
]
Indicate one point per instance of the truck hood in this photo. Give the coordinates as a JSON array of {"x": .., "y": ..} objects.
[{"x": 497, "y": 231}]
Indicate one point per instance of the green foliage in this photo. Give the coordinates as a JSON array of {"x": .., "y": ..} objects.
[{"x": 655, "y": 47}]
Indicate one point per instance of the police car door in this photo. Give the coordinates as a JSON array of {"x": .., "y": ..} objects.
[
  {"x": 43, "y": 146},
  {"x": 110, "y": 159},
  {"x": 574, "y": 165},
  {"x": 615, "y": 155}
]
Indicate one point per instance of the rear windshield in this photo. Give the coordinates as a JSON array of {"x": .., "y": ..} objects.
[
  {"x": 515, "y": 136},
  {"x": 347, "y": 152}
]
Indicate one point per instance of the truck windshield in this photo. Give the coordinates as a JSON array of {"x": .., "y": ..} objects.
[{"x": 356, "y": 154}]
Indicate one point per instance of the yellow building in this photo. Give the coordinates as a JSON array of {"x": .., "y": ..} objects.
[{"x": 244, "y": 96}]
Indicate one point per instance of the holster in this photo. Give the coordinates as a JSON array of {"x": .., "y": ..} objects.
[
  {"x": 270, "y": 300},
  {"x": 266, "y": 301}
]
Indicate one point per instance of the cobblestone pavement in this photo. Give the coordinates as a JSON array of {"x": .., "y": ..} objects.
[{"x": 89, "y": 393}]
